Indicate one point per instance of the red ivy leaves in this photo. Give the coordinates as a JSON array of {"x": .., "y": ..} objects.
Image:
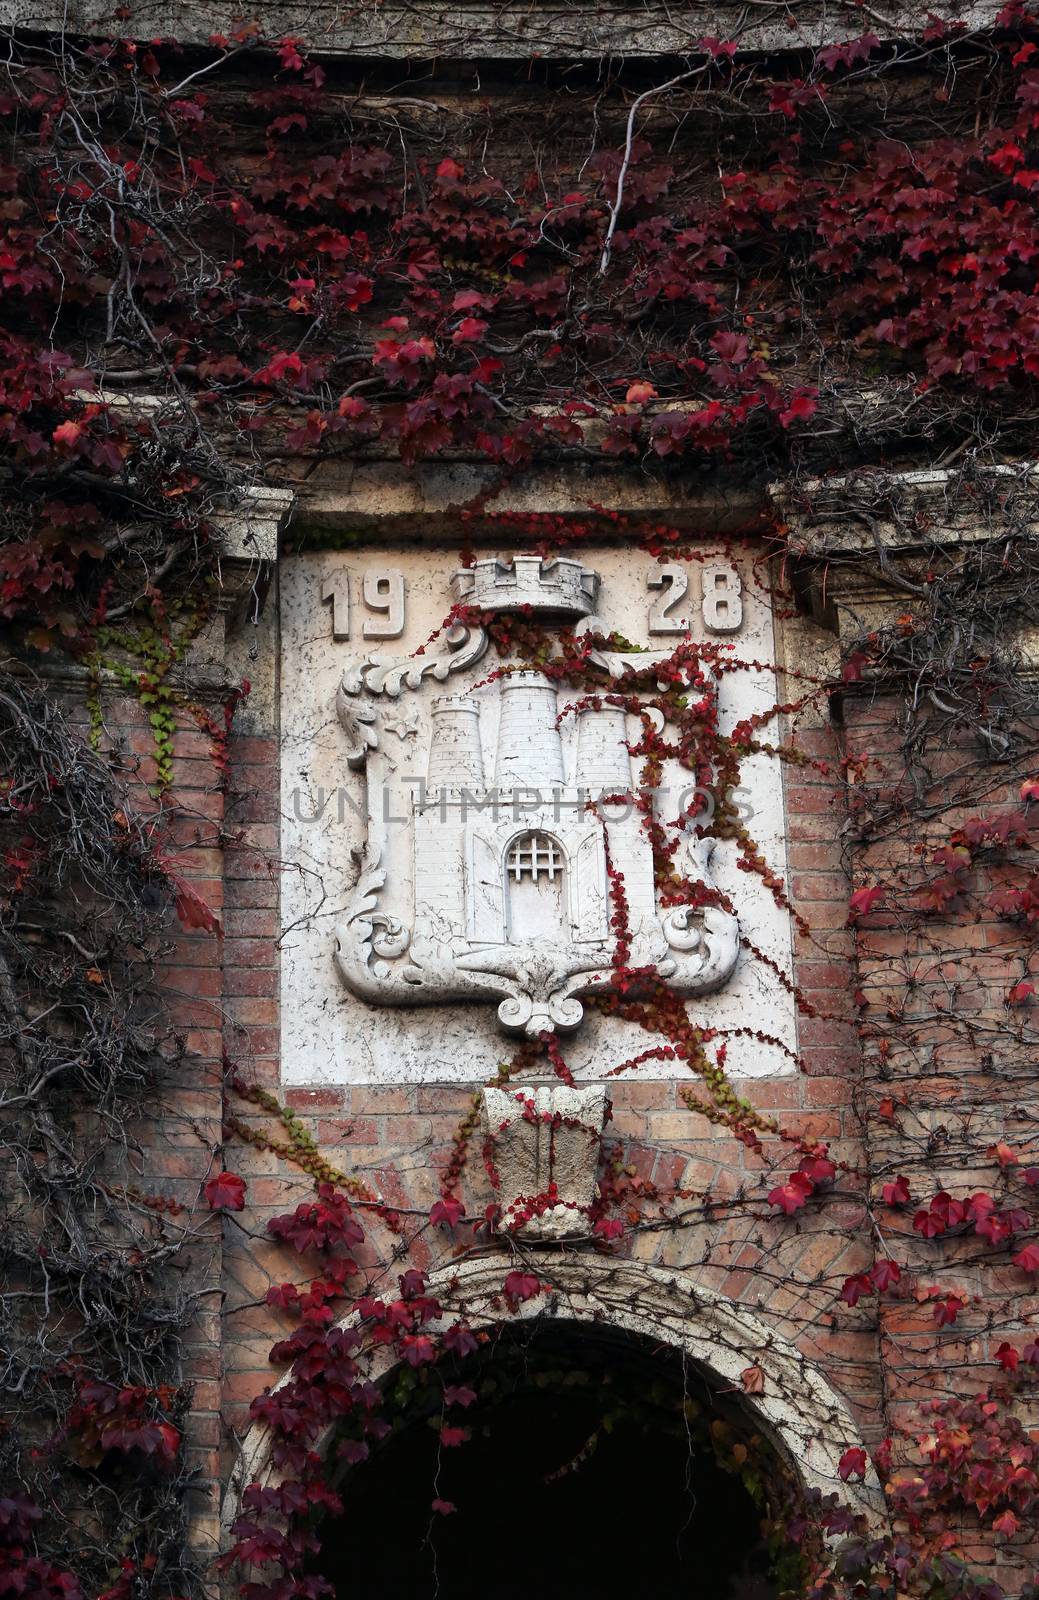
[
  {"x": 791, "y": 1196},
  {"x": 1010, "y": 1358},
  {"x": 448, "y": 1210},
  {"x": 895, "y": 244},
  {"x": 225, "y": 1191},
  {"x": 947, "y": 1308},
  {"x": 326, "y": 1224},
  {"x": 853, "y": 1288},
  {"x": 852, "y": 1464},
  {"x": 815, "y": 1168},
  {"x": 192, "y": 909},
  {"x": 863, "y": 901},
  {"x": 1028, "y": 1258},
  {"x": 945, "y": 1213},
  {"x": 520, "y": 1286},
  {"x": 884, "y": 1275},
  {"x": 849, "y": 54},
  {"x": 123, "y": 1420}
]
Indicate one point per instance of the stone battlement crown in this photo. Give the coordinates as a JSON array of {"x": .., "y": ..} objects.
[{"x": 557, "y": 587}]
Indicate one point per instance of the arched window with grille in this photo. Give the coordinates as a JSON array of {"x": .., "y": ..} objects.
[
  {"x": 535, "y": 890},
  {"x": 534, "y": 855}
]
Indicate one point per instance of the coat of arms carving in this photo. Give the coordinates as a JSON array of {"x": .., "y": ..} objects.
[{"x": 485, "y": 874}]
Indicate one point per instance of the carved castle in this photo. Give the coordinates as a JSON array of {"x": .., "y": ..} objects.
[{"x": 519, "y": 856}]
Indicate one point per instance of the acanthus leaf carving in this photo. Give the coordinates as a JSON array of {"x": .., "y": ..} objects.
[
  {"x": 367, "y": 938},
  {"x": 391, "y": 675}
]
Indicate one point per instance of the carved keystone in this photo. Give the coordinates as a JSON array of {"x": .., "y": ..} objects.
[{"x": 547, "y": 1156}]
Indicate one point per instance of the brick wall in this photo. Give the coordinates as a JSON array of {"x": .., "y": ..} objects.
[
  {"x": 224, "y": 995},
  {"x": 398, "y": 1138},
  {"x": 173, "y": 1147},
  {"x": 942, "y": 1080}
]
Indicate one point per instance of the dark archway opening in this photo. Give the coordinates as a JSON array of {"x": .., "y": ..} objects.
[{"x": 596, "y": 1465}]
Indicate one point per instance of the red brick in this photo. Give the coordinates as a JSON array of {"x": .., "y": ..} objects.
[
  {"x": 635, "y": 1095},
  {"x": 259, "y": 836},
  {"x": 253, "y": 806},
  {"x": 772, "y": 1094},
  {"x": 257, "y": 1041},
  {"x": 245, "y": 893},
  {"x": 249, "y": 749},
  {"x": 408, "y": 1130},
  {"x": 343, "y": 1130},
  {"x": 250, "y": 953},
  {"x": 322, "y": 1097},
  {"x": 249, "y": 863},
  {"x": 247, "y": 1010},
  {"x": 823, "y": 974},
  {"x": 815, "y": 1031},
  {"x": 807, "y": 800},
  {"x": 821, "y": 886},
  {"x": 820, "y": 1091},
  {"x": 193, "y": 980},
  {"x": 197, "y": 804},
  {"x": 250, "y": 981},
  {"x": 817, "y": 855},
  {"x": 253, "y": 923}
]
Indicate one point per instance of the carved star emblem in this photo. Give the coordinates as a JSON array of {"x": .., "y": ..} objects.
[{"x": 403, "y": 727}]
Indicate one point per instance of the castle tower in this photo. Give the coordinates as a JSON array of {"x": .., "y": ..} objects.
[
  {"x": 603, "y": 762},
  {"x": 530, "y": 751},
  {"x": 455, "y": 756}
]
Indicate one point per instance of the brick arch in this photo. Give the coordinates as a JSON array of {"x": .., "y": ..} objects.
[{"x": 806, "y": 1419}]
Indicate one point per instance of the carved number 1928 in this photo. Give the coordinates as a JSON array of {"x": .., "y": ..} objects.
[
  {"x": 722, "y": 601},
  {"x": 722, "y": 607},
  {"x": 665, "y": 615},
  {"x": 382, "y": 590}
]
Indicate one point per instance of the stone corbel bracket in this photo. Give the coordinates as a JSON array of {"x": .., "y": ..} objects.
[
  {"x": 846, "y": 530},
  {"x": 547, "y": 1139},
  {"x": 249, "y": 533},
  {"x": 246, "y": 534}
]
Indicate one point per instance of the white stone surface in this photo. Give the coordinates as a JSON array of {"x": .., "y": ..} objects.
[{"x": 448, "y": 940}]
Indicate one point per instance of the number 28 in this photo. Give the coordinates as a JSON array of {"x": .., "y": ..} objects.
[{"x": 722, "y": 603}]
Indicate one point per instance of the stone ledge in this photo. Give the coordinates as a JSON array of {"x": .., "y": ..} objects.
[
  {"x": 365, "y": 503},
  {"x": 851, "y": 516},
  {"x": 474, "y": 29},
  {"x": 844, "y": 532}
]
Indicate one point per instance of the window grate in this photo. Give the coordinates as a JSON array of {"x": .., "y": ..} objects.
[{"x": 535, "y": 855}]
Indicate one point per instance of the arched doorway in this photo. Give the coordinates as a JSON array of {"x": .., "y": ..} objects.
[
  {"x": 714, "y": 1341},
  {"x": 597, "y": 1465}
]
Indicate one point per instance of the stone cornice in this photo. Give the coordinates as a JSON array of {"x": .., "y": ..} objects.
[
  {"x": 249, "y": 533},
  {"x": 844, "y": 531},
  {"x": 249, "y": 538},
  {"x": 847, "y": 516},
  {"x": 514, "y": 30}
]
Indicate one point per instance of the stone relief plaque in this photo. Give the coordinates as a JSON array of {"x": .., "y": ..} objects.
[{"x": 447, "y": 828}]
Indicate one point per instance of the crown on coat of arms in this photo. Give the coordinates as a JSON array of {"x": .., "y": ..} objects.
[{"x": 558, "y": 586}]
